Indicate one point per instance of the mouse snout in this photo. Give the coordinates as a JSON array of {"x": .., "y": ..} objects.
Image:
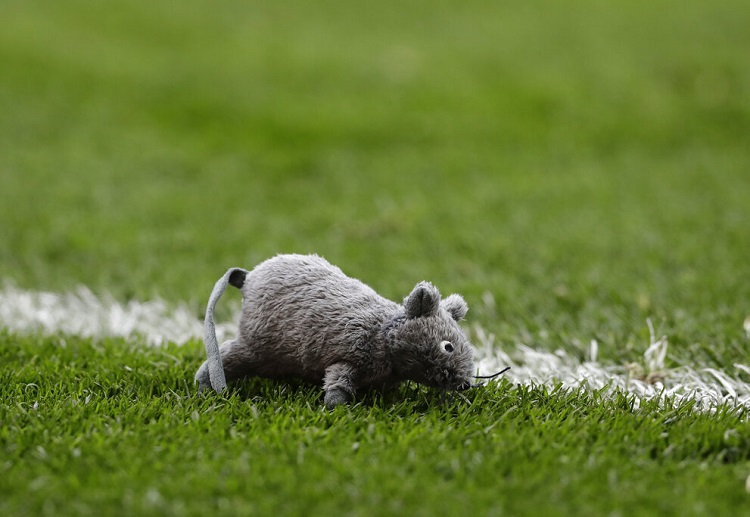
[
  {"x": 464, "y": 386},
  {"x": 452, "y": 380}
]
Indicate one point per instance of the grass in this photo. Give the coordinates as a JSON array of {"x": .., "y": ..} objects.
[
  {"x": 584, "y": 164},
  {"x": 113, "y": 426}
]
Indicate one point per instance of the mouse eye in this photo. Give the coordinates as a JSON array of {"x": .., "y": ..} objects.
[{"x": 447, "y": 346}]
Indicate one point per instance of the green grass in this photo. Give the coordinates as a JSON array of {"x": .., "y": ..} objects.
[
  {"x": 116, "y": 427},
  {"x": 586, "y": 164}
]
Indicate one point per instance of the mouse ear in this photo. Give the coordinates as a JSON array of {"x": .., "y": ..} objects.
[
  {"x": 424, "y": 300},
  {"x": 456, "y": 306}
]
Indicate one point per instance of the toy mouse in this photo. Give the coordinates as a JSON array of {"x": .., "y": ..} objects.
[{"x": 303, "y": 317}]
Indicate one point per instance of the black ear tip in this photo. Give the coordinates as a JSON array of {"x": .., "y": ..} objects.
[{"x": 237, "y": 278}]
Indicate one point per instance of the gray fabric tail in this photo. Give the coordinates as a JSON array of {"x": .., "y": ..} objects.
[{"x": 215, "y": 368}]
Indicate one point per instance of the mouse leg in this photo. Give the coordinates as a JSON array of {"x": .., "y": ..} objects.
[
  {"x": 338, "y": 384},
  {"x": 202, "y": 378},
  {"x": 234, "y": 359}
]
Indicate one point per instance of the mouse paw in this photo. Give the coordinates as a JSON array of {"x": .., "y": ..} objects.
[
  {"x": 336, "y": 396},
  {"x": 202, "y": 378}
]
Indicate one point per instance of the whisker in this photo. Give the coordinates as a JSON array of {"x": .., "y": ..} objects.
[{"x": 493, "y": 375}]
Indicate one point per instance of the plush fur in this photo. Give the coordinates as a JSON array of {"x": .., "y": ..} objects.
[{"x": 302, "y": 317}]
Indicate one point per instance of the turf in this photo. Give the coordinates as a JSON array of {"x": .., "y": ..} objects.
[
  {"x": 116, "y": 427},
  {"x": 583, "y": 165}
]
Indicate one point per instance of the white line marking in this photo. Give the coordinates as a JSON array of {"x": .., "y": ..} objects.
[
  {"x": 708, "y": 387},
  {"x": 82, "y": 313}
]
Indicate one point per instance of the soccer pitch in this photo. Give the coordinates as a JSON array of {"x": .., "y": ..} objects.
[{"x": 580, "y": 172}]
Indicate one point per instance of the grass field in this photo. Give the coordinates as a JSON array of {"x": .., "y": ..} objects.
[{"x": 585, "y": 166}]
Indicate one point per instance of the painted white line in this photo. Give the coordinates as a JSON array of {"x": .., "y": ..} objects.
[
  {"x": 647, "y": 379},
  {"x": 82, "y": 313}
]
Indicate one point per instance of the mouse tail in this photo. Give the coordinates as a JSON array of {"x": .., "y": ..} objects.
[{"x": 236, "y": 277}]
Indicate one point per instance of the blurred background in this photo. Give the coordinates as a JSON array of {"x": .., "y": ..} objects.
[{"x": 572, "y": 168}]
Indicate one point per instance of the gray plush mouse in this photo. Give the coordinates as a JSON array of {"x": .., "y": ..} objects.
[{"x": 303, "y": 318}]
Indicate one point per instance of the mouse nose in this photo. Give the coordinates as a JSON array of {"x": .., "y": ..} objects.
[{"x": 463, "y": 386}]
